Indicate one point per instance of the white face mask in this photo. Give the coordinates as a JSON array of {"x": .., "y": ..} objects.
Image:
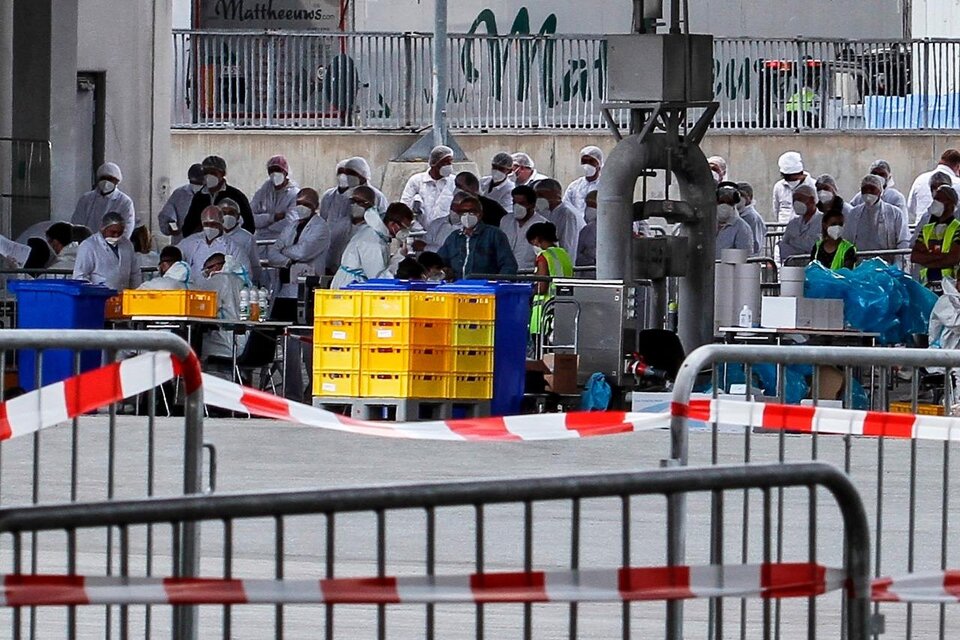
[
  {"x": 446, "y": 171},
  {"x": 230, "y": 222},
  {"x": 588, "y": 170},
  {"x": 835, "y": 231},
  {"x": 543, "y": 204},
  {"x": 520, "y": 212},
  {"x": 725, "y": 212},
  {"x": 469, "y": 220},
  {"x": 870, "y": 199},
  {"x": 303, "y": 212},
  {"x": 454, "y": 218},
  {"x": 793, "y": 184},
  {"x": 825, "y": 197},
  {"x": 195, "y": 187},
  {"x": 112, "y": 241},
  {"x": 590, "y": 214},
  {"x": 106, "y": 187},
  {"x": 211, "y": 233},
  {"x": 277, "y": 178},
  {"x": 211, "y": 181},
  {"x": 342, "y": 182},
  {"x": 357, "y": 211},
  {"x": 936, "y": 209},
  {"x": 799, "y": 208}
]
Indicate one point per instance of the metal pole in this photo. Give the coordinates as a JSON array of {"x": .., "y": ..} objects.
[{"x": 441, "y": 70}]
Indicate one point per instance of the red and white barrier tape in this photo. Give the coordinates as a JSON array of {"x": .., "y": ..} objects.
[
  {"x": 934, "y": 587},
  {"x": 768, "y": 581},
  {"x": 61, "y": 401},
  {"x": 821, "y": 419}
]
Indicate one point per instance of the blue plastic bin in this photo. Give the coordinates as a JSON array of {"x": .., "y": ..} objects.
[
  {"x": 57, "y": 304},
  {"x": 511, "y": 332},
  {"x": 384, "y": 284}
]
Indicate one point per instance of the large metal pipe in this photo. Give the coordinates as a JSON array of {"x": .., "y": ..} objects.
[
  {"x": 441, "y": 68},
  {"x": 625, "y": 164}
]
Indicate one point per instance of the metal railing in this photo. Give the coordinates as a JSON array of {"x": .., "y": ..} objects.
[
  {"x": 523, "y": 525},
  {"x": 906, "y": 479},
  {"x": 283, "y": 79}
]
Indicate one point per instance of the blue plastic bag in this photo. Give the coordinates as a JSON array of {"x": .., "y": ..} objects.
[
  {"x": 596, "y": 394},
  {"x": 878, "y": 298}
]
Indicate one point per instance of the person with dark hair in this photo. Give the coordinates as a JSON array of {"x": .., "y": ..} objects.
[
  {"x": 732, "y": 231},
  {"x": 215, "y": 189},
  {"x": 60, "y": 239},
  {"x": 40, "y": 254},
  {"x": 552, "y": 261},
  {"x": 169, "y": 255},
  {"x": 751, "y": 216},
  {"x": 493, "y": 212},
  {"x": 832, "y": 250},
  {"x": 409, "y": 269},
  {"x": 367, "y": 255},
  {"x": 174, "y": 273},
  {"x": 80, "y": 233},
  {"x": 432, "y": 265},
  {"x": 477, "y": 247},
  {"x": 143, "y": 248},
  {"x": 515, "y": 226},
  {"x": 937, "y": 250}
]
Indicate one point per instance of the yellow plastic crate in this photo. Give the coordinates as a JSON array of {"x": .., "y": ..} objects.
[
  {"x": 471, "y": 387},
  {"x": 427, "y": 333},
  {"x": 114, "y": 307},
  {"x": 331, "y": 358},
  {"x": 922, "y": 408},
  {"x": 472, "y": 334},
  {"x": 391, "y": 359},
  {"x": 194, "y": 304},
  {"x": 338, "y": 384},
  {"x": 331, "y": 303},
  {"x": 473, "y": 306},
  {"x": 429, "y": 305},
  {"x": 386, "y": 305},
  {"x": 377, "y": 332},
  {"x": 472, "y": 359},
  {"x": 336, "y": 332},
  {"x": 404, "y": 385}
]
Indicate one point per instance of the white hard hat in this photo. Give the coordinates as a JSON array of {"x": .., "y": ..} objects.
[{"x": 790, "y": 162}]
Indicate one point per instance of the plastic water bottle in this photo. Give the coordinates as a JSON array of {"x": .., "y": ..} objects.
[
  {"x": 746, "y": 317},
  {"x": 263, "y": 299},
  {"x": 244, "y": 304}
]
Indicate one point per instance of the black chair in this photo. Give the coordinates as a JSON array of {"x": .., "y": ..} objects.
[{"x": 259, "y": 355}]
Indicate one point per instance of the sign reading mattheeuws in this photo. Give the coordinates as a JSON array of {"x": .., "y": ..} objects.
[{"x": 315, "y": 15}]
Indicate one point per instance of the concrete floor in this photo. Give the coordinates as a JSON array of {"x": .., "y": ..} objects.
[{"x": 261, "y": 455}]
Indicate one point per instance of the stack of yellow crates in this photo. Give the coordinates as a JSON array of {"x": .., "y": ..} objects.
[
  {"x": 472, "y": 330},
  {"x": 336, "y": 343},
  {"x": 403, "y": 344}
]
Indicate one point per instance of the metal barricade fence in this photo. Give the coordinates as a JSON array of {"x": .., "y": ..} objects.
[
  {"x": 298, "y": 79},
  {"x": 903, "y": 476},
  {"x": 500, "y": 549},
  {"x": 98, "y": 457}
]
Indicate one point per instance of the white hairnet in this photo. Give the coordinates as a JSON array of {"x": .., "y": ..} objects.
[
  {"x": 502, "y": 160},
  {"x": 109, "y": 170},
  {"x": 523, "y": 160},
  {"x": 111, "y": 218},
  {"x": 720, "y": 162},
  {"x": 805, "y": 190},
  {"x": 872, "y": 180},
  {"x": 881, "y": 164},
  {"x": 828, "y": 179},
  {"x": 439, "y": 153},
  {"x": 358, "y": 164},
  {"x": 593, "y": 152},
  {"x": 790, "y": 163}
]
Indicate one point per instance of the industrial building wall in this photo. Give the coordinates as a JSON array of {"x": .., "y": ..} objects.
[{"x": 727, "y": 18}]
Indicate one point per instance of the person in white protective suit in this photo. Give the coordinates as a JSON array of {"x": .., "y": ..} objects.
[
  {"x": 175, "y": 210},
  {"x": 301, "y": 250},
  {"x": 944, "y": 329},
  {"x": 367, "y": 255},
  {"x": 498, "y": 185},
  {"x": 198, "y": 247},
  {"x": 274, "y": 201},
  {"x": 104, "y": 198},
  {"x": 174, "y": 273},
  {"x": 226, "y": 276},
  {"x": 107, "y": 257},
  {"x": 429, "y": 194},
  {"x": 244, "y": 240},
  {"x": 591, "y": 163},
  {"x": 336, "y": 206}
]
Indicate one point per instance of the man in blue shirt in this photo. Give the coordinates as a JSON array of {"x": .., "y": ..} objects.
[{"x": 477, "y": 248}]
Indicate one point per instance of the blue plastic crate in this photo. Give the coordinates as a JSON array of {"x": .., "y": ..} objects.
[
  {"x": 511, "y": 331},
  {"x": 57, "y": 304}
]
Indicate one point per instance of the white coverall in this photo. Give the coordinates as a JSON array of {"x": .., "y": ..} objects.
[
  {"x": 367, "y": 255},
  {"x": 99, "y": 263},
  {"x": 92, "y": 206}
]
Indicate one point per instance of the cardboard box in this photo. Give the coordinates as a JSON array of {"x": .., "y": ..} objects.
[
  {"x": 788, "y": 312},
  {"x": 561, "y": 372}
]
